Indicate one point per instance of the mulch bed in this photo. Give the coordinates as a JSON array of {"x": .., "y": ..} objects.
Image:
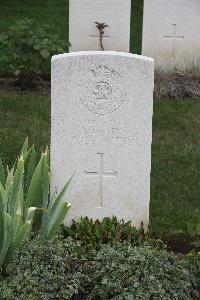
[
  {"x": 166, "y": 86},
  {"x": 177, "y": 86}
]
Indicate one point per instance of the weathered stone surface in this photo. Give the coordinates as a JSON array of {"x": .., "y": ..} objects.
[
  {"x": 171, "y": 33},
  {"x": 83, "y": 34},
  {"x": 101, "y": 130}
]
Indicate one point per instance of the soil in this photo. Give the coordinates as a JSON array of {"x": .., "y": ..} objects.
[
  {"x": 179, "y": 244},
  {"x": 177, "y": 86},
  {"x": 9, "y": 86}
]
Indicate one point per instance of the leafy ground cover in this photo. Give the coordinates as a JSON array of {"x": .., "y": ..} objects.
[
  {"x": 175, "y": 185},
  {"x": 65, "y": 269}
]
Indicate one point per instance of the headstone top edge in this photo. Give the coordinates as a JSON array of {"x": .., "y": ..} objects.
[{"x": 102, "y": 53}]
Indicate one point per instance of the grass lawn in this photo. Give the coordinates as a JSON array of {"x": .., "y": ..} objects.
[
  {"x": 22, "y": 116},
  {"x": 175, "y": 181},
  {"x": 175, "y": 184}
]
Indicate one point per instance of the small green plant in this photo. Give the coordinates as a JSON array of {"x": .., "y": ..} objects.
[
  {"x": 95, "y": 232},
  {"x": 27, "y": 48},
  {"x": 109, "y": 230}
]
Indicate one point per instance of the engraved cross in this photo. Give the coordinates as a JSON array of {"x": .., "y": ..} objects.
[
  {"x": 96, "y": 36},
  {"x": 174, "y": 37},
  {"x": 101, "y": 174}
]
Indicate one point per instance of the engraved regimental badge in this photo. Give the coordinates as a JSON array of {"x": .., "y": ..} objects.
[{"x": 102, "y": 92}]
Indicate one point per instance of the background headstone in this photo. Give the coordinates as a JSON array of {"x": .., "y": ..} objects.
[
  {"x": 83, "y": 34},
  {"x": 102, "y": 105},
  {"x": 171, "y": 32}
]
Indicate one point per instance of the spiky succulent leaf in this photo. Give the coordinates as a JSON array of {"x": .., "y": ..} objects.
[
  {"x": 16, "y": 185},
  {"x": 56, "y": 219},
  {"x": 35, "y": 192},
  {"x": 2, "y": 174},
  {"x": 5, "y": 237},
  {"x": 9, "y": 179},
  {"x": 24, "y": 148},
  {"x": 55, "y": 214},
  {"x": 45, "y": 180},
  {"x": 31, "y": 167},
  {"x": 22, "y": 233},
  {"x": 56, "y": 200}
]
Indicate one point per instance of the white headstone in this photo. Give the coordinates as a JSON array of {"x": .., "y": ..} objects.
[
  {"x": 83, "y": 34},
  {"x": 102, "y": 130},
  {"x": 171, "y": 32}
]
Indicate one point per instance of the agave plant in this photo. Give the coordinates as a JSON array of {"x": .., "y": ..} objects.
[
  {"x": 15, "y": 223},
  {"x": 25, "y": 189},
  {"x": 37, "y": 187},
  {"x": 54, "y": 209}
]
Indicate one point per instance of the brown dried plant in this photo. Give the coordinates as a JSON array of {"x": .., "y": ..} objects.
[{"x": 101, "y": 27}]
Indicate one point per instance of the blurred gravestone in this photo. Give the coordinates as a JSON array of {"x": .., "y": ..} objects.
[
  {"x": 83, "y": 34},
  {"x": 171, "y": 33}
]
